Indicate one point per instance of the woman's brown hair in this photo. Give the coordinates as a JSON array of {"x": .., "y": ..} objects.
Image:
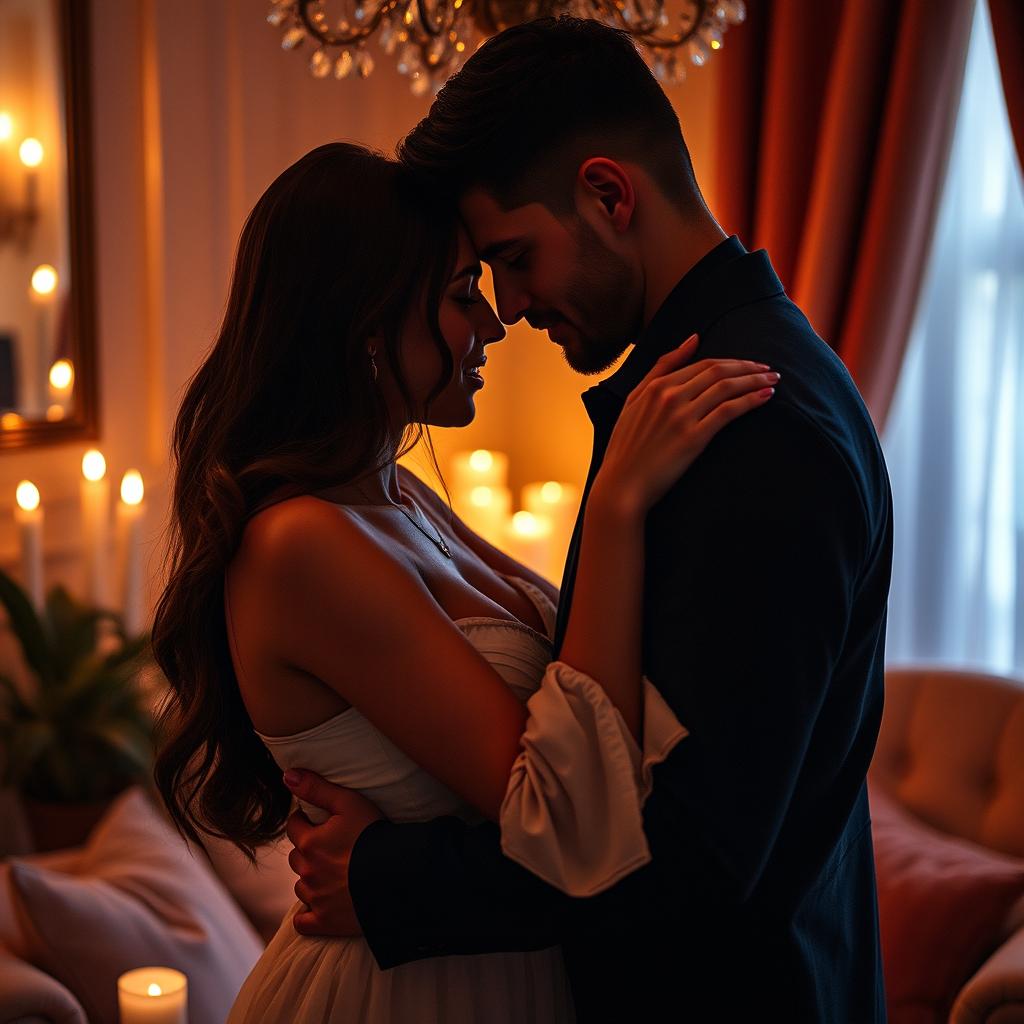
[{"x": 340, "y": 247}]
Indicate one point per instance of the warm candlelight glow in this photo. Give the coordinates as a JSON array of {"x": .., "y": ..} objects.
[
  {"x": 481, "y": 460},
  {"x": 6, "y": 126},
  {"x": 10, "y": 421},
  {"x": 132, "y": 488},
  {"x": 526, "y": 524},
  {"x": 31, "y": 152},
  {"x": 94, "y": 466},
  {"x": 152, "y": 995},
  {"x": 54, "y": 413},
  {"x": 62, "y": 373},
  {"x": 551, "y": 492},
  {"x": 154, "y": 990},
  {"x": 27, "y": 496},
  {"x": 481, "y": 496},
  {"x": 44, "y": 279}
]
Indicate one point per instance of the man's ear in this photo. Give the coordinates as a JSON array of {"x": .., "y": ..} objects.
[{"x": 604, "y": 190}]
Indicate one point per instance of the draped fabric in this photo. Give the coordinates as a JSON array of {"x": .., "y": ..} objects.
[
  {"x": 955, "y": 441},
  {"x": 1008, "y": 28},
  {"x": 835, "y": 126}
]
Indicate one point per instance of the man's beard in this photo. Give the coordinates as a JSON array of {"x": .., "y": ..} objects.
[{"x": 600, "y": 294}]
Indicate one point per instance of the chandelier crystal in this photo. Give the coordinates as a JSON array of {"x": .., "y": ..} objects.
[{"x": 430, "y": 39}]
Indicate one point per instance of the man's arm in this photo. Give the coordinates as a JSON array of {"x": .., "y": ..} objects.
[{"x": 772, "y": 569}]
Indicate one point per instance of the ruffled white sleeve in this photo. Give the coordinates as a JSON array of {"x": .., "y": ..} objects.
[{"x": 572, "y": 813}]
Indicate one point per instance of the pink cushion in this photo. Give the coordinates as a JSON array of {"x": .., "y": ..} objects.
[
  {"x": 942, "y": 902},
  {"x": 26, "y": 992},
  {"x": 137, "y": 898}
]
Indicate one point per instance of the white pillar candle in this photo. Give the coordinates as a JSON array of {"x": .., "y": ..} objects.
[
  {"x": 528, "y": 540},
  {"x": 480, "y": 468},
  {"x": 95, "y": 493},
  {"x": 485, "y": 510},
  {"x": 28, "y": 514},
  {"x": 153, "y": 995},
  {"x": 130, "y": 514},
  {"x": 560, "y": 503}
]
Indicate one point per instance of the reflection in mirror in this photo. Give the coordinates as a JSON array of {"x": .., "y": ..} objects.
[{"x": 44, "y": 332}]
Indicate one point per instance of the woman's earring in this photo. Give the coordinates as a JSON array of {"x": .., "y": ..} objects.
[{"x": 373, "y": 363}]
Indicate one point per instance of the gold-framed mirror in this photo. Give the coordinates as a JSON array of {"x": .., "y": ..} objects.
[{"x": 48, "y": 364}]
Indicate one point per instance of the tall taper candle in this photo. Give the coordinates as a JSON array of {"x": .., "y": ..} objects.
[
  {"x": 29, "y": 516},
  {"x": 95, "y": 492},
  {"x": 130, "y": 512}
]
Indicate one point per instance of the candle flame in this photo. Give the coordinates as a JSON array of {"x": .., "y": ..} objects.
[
  {"x": 27, "y": 496},
  {"x": 62, "y": 373},
  {"x": 44, "y": 279},
  {"x": 551, "y": 492},
  {"x": 31, "y": 152},
  {"x": 10, "y": 421},
  {"x": 526, "y": 524},
  {"x": 132, "y": 489},
  {"x": 6, "y": 126},
  {"x": 94, "y": 466},
  {"x": 481, "y": 460},
  {"x": 481, "y": 496},
  {"x": 54, "y": 413},
  {"x": 154, "y": 989}
]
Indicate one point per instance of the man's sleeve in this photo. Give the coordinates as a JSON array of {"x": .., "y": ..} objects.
[{"x": 748, "y": 607}]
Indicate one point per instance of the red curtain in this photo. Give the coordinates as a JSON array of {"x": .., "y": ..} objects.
[
  {"x": 1008, "y": 29},
  {"x": 835, "y": 126}
]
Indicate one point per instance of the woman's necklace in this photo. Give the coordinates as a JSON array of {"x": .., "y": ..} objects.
[{"x": 438, "y": 540}]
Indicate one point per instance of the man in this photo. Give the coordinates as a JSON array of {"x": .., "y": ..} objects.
[{"x": 765, "y": 590}]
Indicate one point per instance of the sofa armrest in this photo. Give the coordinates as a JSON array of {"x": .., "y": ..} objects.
[
  {"x": 995, "y": 994},
  {"x": 28, "y": 993}
]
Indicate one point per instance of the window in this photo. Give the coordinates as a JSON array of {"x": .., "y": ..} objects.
[{"x": 955, "y": 438}]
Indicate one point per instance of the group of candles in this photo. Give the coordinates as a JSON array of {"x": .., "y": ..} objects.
[
  {"x": 95, "y": 510},
  {"x": 538, "y": 535}
]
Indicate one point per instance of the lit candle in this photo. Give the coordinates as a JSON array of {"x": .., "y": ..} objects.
[
  {"x": 130, "y": 512},
  {"x": 528, "y": 540},
  {"x": 31, "y": 153},
  {"x": 480, "y": 468},
  {"x": 95, "y": 493},
  {"x": 42, "y": 292},
  {"x": 485, "y": 510},
  {"x": 153, "y": 995},
  {"x": 560, "y": 503},
  {"x": 29, "y": 516}
]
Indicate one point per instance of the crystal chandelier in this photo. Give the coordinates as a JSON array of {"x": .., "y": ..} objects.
[{"x": 431, "y": 38}]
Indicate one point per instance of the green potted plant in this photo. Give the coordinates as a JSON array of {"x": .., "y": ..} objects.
[{"x": 84, "y": 732}]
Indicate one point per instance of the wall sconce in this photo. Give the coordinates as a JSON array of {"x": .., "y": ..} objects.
[{"x": 18, "y": 214}]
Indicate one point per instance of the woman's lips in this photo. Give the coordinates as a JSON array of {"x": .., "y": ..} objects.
[{"x": 474, "y": 377}]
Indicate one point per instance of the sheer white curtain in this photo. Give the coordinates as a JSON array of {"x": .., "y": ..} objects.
[{"x": 955, "y": 437}]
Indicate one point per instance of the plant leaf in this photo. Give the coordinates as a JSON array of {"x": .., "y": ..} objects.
[{"x": 28, "y": 629}]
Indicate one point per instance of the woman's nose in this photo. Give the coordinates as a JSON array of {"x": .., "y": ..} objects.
[{"x": 493, "y": 329}]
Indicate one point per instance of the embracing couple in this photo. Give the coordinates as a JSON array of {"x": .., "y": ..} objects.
[{"x": 640, "y": 798}]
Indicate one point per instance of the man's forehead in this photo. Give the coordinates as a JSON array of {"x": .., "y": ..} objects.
[{"x": 490, "y": 225}]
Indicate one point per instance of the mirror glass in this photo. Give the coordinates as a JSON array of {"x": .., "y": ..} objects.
[{"x": 46, "y": 358}]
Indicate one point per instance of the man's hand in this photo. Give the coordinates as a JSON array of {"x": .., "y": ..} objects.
[{"x": 322, "y": 853}]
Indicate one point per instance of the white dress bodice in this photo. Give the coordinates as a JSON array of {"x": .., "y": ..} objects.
[{"x": 350, "y": 751}]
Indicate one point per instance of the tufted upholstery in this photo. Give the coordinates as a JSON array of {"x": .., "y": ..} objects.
[{"x": 951, "y": 750}]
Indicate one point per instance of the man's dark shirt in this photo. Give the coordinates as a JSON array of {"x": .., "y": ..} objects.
[{"x": 766, "y": 578}]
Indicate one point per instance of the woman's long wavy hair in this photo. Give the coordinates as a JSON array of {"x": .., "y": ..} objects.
[{"x": 340, "y": 248}]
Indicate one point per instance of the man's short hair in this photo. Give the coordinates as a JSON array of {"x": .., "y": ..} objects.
[{"x": 537, "y": 100}]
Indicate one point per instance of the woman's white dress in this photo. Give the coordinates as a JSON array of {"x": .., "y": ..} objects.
[{"x": 571, "y": 814}]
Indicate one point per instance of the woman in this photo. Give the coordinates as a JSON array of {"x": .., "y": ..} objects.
[{"x": 325, "y": 610}]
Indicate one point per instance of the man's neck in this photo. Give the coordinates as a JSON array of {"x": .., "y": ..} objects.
[{"x": 672, "y": 246}]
